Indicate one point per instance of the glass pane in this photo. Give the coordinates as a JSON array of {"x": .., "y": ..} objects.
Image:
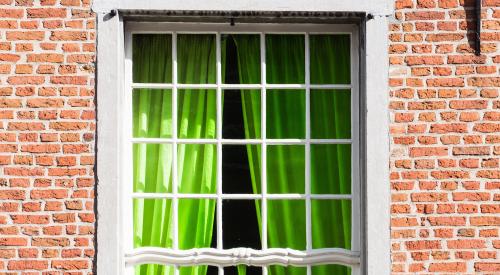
[
  {"x": 331, "y": 223},
  {"x": 152, "y": 58},
  {"x": 331, "y": 270},
  {"x": 285, "y": 169},
  {"x": 241, "y": 164},
  {"x": 242, "y": 270},
  {"x": 196, "y": 58},
  {"x": 147, "y": 269},
  {"x": 241, "y": 226},
  {"x": 196, "y": 223},
  {"x": 286, "y": 224},
  {"x": 153, "y": 223},
  {"x": 285, "y": 59},
  {"x": 241, "y": 114},
  {"x": 285, "y": 114},
  {"x": 330, "y": 59},
  {"x": 152, "y": 113},
  {"x": 192, "y": 270},
  {"x": 240, "y": 58},
  {"x": 196, "y": 113},
  {"x": 330, "y": 168},
  {"x": 331, "y": 114},
  {"x": 287, "y": 270},
  {"x": 197, "y": 168},
  {"x": 152, "y": 164}
]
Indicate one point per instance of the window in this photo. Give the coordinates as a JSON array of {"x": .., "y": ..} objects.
[{"x": 242, "y": 149}]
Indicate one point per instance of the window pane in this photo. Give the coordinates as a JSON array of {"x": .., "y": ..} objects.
[
  {"x": 331, "y": 270},
  {"x": 152, "y": 164},
  {"x": 331, "y": 114},
  {"x": 287, "y": 270},
  {"x": 330, "y": 168},
  {"x": 285, "y": 169},
  {"x": 331, "y": 223},
  {"x": 197, "y": 168},
  {"x": 285, "y": 114},
  {"x": 191, "y": 270},
  {"x": 196, "y": 58},
  {"x": 242, "y": 269},
  {"x": 241, "y": 227},
  {"x": 152, "y": 58},
  {"x": 240, "y": 58},
  {"x": 285, "y": 59},
  {"x": 241, "y": 169},
  {"x": 330, "y": 59},
  {"x": 241, "y": 114},
  {"x": 286, "y": 224},
  {"x": 152, "y": 113},
  {"x": 196, "y": 113},
  {"x": 147, "y": 269},
  {"x": 153, "y": 223},
  {"x": 196, "y": 223}
]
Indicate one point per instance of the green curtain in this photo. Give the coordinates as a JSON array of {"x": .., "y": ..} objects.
[
  {"x": 152, "y": 114},
  {"x": 330, "y": 164},
  {"x": 330, "y": 118}
]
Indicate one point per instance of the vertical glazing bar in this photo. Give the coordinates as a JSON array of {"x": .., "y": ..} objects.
[
  {"x": 308, "y": 149},
  {"x": 175, "y": 200},
  {"x": 264, "y": 144},
  {"x": 219, "y": 147}
]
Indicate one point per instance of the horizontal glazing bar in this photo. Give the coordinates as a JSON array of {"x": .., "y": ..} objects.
[
  {"x": 239, "y": 86},
  {"x": 241, "y": 141},
  {"x": 241, "y": 196}
]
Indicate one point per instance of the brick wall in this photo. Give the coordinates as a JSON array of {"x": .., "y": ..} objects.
[
  {"x": 445, "y": 138},
  {"x": 47, "y": 127}
]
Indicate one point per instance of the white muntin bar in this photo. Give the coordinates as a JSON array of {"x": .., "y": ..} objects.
[
  {"x": 219, "y": 147},
  {"x": 240, "y": 86},
  {"x": 241, "y": 196},
  {"x": 175, "y": 201},
  {"x": 308, "y": 148},
  {"x": 242, "y": 141},
  {"x": 263, "y": 153}
]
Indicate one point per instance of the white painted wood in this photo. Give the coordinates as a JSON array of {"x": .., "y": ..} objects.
[
  {"x": 110, "y": 78},
  {"x": 239, "y": 86},
  {"x": 126, "y": 149},
  {"x": 242, "y": 141},
  {"x": 370, "y": 6},
  {"x": 356, "y": 166},
  {"x": 242, "y": 196},
  {"x": 175, "y": 180},
  {"x": 377, "y": 235},
  {"x": 245, "y": 256},
  {"x": 263, "y": 148},
  {"x": 289, "y": 28}
]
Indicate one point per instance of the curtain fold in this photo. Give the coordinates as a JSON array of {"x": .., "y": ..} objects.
[
  {"x": 196, "y": 163},
  {"x": 286, "y": 119}
]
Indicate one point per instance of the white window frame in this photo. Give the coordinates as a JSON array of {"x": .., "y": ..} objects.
[
  {"x": 111, "y": 95},
  {"x": 225, "y": 257}
]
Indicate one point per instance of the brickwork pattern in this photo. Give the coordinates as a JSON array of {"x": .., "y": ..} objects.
[
  {"x": 445, "y": 138},
  {"x": 47, "y": 128}
]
